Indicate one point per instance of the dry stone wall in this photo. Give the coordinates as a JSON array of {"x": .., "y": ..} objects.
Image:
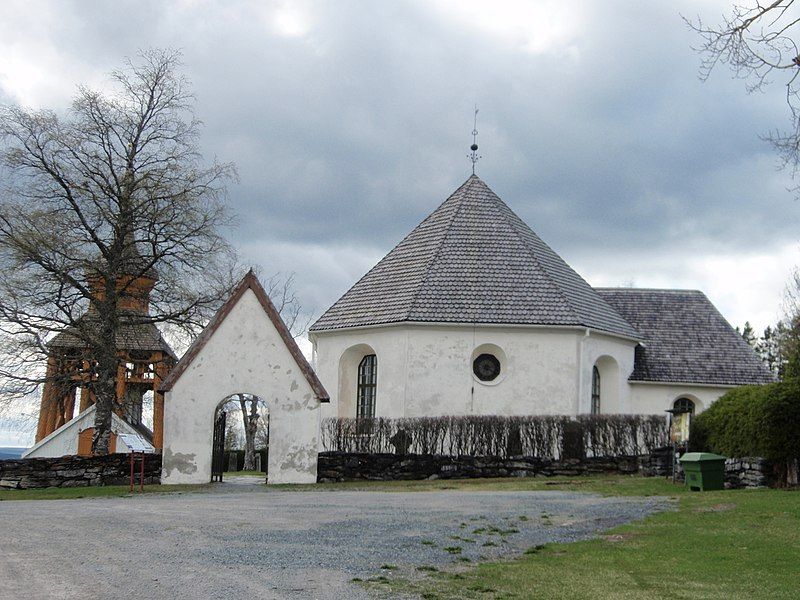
[
  {"x": 748, "y": 472},
  {"x": 75, "y": 471},
  {"x": 355, "y": 466},
  {"x": 345, "y": 466}
]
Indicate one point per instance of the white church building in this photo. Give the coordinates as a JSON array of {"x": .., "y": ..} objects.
[{"x": 473, "y": 314}]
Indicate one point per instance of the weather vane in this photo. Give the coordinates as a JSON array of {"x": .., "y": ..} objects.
[{"x": 473, "y": 156}]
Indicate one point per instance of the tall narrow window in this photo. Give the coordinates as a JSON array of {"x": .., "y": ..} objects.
[
  {"x": 595, "y": 391},
  {"x": 367, "y": 384}
]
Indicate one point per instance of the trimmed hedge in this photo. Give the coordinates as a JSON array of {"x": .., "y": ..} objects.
[{"x": 753, "y": 421}]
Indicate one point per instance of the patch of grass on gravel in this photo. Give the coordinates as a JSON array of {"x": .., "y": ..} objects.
[
  {"x": 716, "y": 545},
  {"x": 458, "y": 538},
  {"x": 107, "y": 491},
  {"x": 427, "y": 569}
]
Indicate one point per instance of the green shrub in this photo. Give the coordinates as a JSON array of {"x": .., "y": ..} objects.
[{"x": 753, "y": 421}]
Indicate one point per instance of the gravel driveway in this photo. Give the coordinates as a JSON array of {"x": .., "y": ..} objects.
[{"x": 251, "y": 543}]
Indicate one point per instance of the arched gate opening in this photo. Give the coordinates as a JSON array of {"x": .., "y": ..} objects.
[{"x": 240, "y": 442}]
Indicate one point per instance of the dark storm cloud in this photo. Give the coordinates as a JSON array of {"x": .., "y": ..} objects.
[{"x": 351, "y": 132}]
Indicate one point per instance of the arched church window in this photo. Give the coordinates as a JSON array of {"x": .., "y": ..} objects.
[
  {"x": 595, "y": 391},
  {"x": 486, "y": 367},
  {"x": 684, "y": 405},
  {"x": 367, "y": 385}
]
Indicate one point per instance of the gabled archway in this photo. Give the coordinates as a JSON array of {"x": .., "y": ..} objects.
[{"x": 245, "y": 347}]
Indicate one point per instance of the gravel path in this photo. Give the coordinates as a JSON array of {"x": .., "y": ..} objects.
[{"x": 251, "y": 543}]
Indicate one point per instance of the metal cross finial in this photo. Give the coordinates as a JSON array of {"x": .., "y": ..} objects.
[{"x": 473, "y": 156}]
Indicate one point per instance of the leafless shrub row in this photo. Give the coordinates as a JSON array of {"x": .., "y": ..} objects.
[{"x": 539, "y": 436}]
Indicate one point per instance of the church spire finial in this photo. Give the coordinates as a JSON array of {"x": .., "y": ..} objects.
[{"x": 473, "y": 155}]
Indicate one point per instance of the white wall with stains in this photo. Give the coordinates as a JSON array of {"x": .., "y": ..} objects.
[
  {"x": 426, "y": 370},
  {"x": 244, "y": 355}
]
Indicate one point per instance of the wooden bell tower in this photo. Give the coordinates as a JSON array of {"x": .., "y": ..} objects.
[{"x": 145, "y": 359}]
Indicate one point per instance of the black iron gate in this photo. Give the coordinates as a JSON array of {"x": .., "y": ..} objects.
[{"x": 218, "y": 448}]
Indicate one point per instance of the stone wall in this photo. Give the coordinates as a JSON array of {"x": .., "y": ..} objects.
[
  {"x": 75, "y": 471},
  {"x": 658, "y": 463},
  {"x": 340, "y": 466},
  {"x": 747, "y": 472},
  {"x": 344, "y": 466}
]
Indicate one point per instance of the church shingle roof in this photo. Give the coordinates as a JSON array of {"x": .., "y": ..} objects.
[
  {"x": 686, "y": 339},
  {"x": 473, "y": 261}
]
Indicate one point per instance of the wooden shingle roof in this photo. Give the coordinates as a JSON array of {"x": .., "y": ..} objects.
[
  {"x": 473, "y": 260},
  {"x": 685, "y": 339},
  {"x": 135, "y": 336}
]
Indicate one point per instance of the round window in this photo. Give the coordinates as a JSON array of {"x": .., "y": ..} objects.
[{"x": 486, "y": 367}]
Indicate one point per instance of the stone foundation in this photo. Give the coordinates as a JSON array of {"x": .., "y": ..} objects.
[{"x": 76, "y": 471}]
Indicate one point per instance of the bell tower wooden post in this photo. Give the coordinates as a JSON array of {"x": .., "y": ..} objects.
[
  {"x": 158, "y": 400},
  {"x": 49, "y": 401}
]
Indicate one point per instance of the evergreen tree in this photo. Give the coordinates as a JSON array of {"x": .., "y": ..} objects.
[
  {"x": 748, "y": 334},
  {"x": 768, "y": 349},
  {"x": 789, "y": 344}
]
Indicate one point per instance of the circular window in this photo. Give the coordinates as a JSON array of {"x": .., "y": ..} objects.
[{"x": 486, "y": 367}]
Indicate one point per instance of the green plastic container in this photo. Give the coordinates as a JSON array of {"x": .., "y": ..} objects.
[{"x": 704, "y": 471}]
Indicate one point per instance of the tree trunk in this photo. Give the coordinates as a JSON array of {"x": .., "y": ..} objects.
[
  {"x": 105, "y": 392},
  {"x": 105, "y": 353},
  {"x": 250, "y": 422}
]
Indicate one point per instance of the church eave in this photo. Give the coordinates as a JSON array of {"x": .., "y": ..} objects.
[{"x": 481, "y": 324}]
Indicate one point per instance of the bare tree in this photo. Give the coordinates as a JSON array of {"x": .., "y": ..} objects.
[
  {"x": 758, "y": 43},
  {"x": 113, "y": 191},
  {"x": 280, "y": 289},
  {"x": 233, "y": 441},
  {"x": 250, "y": 420}
]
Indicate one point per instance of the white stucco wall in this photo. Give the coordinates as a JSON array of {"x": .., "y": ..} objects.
[
  {"x": 426, "y": 370},
  {"x": 655, "y": 398},
  {"x": 245, "y": 355},
  {"x": 614, "y": 357}
]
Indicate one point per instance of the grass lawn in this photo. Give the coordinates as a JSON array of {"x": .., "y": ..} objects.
[{"x": 728, "y": 544}]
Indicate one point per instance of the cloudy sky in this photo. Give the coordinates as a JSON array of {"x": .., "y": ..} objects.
[{"x": 350, "y": 122}]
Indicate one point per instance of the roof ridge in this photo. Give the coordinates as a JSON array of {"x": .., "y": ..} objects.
[
  {"x": 575, "y": 310},
  {"x": 438, "y": 251},
  {"x": 535, "y": 258},
  {"x": 248, "y": 282},
  {"x": 393, "y": 249},
  {"x": 648, "y": 289}
]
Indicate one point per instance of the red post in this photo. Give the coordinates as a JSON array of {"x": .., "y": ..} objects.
[
  {"x": 131, "y": 455},
  {"x": 141, "y": 479}
]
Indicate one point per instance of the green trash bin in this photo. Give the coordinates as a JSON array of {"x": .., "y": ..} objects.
[{"x": 704, "y": 471}]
